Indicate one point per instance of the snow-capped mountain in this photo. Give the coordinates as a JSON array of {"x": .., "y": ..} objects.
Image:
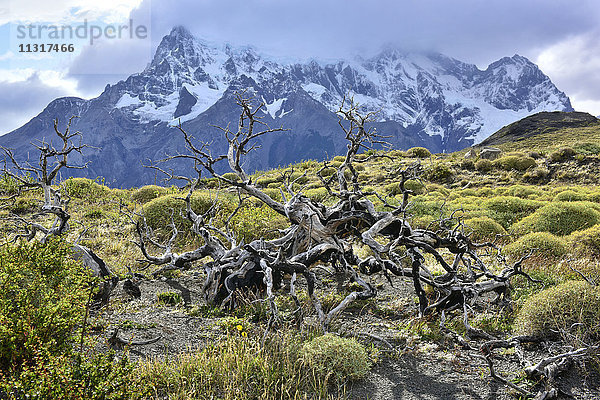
[{"x": 422, "y": 99}]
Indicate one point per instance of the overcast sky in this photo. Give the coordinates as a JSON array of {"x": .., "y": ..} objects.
[{"x": 562, "y": 37}]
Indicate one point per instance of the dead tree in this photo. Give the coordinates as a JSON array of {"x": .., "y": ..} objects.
[
  {"x": 41, "y": 176},
  {"x": 329, "y": 235}
]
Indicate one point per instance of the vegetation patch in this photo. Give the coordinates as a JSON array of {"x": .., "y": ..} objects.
[
  {"x": 506, "y": 210},
  {"x": 543, "y": 245},
  {"x": 560, "y": 218},
  {"x": 336, "y": 358},
  {"x": 147, "y": 193},
  {"x": 570, "y": 308},
  {"x": 484, "y": 228}
]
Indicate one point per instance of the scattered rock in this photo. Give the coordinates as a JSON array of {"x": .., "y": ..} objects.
[
  {"x": 490, "y": 153},
  {"x": 470, "y": 154}
]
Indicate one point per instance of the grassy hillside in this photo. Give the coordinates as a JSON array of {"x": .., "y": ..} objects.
[
  {"x": 547, "y": 131},
  {"x": 540, "y": 198}
]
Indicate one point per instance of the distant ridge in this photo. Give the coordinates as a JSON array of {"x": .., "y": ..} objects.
[{"x": 542, "y": 122}]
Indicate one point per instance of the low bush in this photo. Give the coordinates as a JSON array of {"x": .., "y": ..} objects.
[
  {"x": 587, "y": 241},
  {"x": 83, "y": 188},
  {"x": 536, "y": 175},
  {"x": 439, "y": 172},
  {"x": 42, "y": 300},
  {"x": 542, "y": 244},
  {"x": 169, "y": 298},
  {"x": 518, "y": 163},
  {"x": 560, "y": 218},
  {"x": 506, "y": 210},
  {"x": 570, "y": 195},
  {"x": 484, "y": 165},
  {"x": 331, "y": 356},
  {"x": 418, "y": 152},
  {"x": 483, "y": 228},
  {"x": 317, "y": 194},
  {"x": 587, "y": 148},
  {"x": 147, "y": 193},
  {"x": 563, "y": 154},
  {"x": 158, "y": 212},
  {"x": 573, "y": 307}
]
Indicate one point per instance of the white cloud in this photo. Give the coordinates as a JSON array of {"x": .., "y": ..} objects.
[
  {"x": 573, "y": 64},
  {"x": 25, "y": 93},
  {"x": 65, "y": 11}
]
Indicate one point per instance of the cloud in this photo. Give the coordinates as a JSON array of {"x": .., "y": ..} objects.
[
  {"x": 573, "y": 64},
  {"x": 22, "y": 100},
  {"x": 471, "y": 30},
  {"x": 65, "y": 11},
  {"x": 109, "y": 61}
]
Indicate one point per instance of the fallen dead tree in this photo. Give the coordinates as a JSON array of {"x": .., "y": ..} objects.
[{"x": 325, "y": 234}]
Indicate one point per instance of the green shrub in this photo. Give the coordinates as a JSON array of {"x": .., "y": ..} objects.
[
  {"x": 83, "y": 188},
  {"x": 536, "y": 175},
  {"x": 506, "y": 210},
  {"x": 560, "y": 218},
  {"x": 418, "y": 152},
  {"x": 252, "y": 222},
  {"x": 587, "y": 241},
  {"x": 317, "y": 194},
  {"x": 147, "y": 193},
  {"x": 439, "y": 172},
  {"x": 543, "y": 244},
  {"x": 95, "y": 376},
  {"x": 273, "y": 193},
  {"x": 23, "y": 206},
  {"x": 169, "y": 298},
  {"x": 587, "y": 148},
  {"x": 42, "y": 300},
  {"x": 8, "y": 185},
  {"x": 417, "y": 187},
  {"x": 483, "y": 228},
  {"x": 519, "y": 163},
  {"x": 559, "y": 308},
  {"x": 522, "y": 191},
  {"x": 232, "y": 176},
  {"x": 563, "y": 154},
  {"x": 333, "y": 356},
  {"x": 570, "y": 195},
  {"x": 483, "y": 165},
  {"x": 158, "y": 212},
  {"x": 469, "y": 165}
]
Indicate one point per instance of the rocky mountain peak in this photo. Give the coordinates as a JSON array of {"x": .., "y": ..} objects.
[{"x": 421, "y": 99}]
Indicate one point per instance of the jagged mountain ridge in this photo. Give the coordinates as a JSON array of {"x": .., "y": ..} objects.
[{"x": 423, "y": 99}]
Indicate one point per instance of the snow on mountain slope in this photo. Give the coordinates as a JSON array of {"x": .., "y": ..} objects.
[{"x": 439, "y": 94}]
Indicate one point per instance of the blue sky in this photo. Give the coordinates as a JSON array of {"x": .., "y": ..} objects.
[{"x": 561, "y": 36}]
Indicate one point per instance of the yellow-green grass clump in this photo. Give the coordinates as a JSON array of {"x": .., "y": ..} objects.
[
  {"x": 147, "y": 193},
  {"x": 483, "y": 228},
  {"x": 572, "y": 306},
  {"x": 570, "y": 195},
  {"x": 507, "y": 210},
  {"x": 543, "y": 246},
  {"x": 560, "y": 218},
  {"x": 418, "y": 152},
  {"x": 331, "y": 356},
  {"x": 514, "y": 162},
  {"x": 586, "y": 242}
]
